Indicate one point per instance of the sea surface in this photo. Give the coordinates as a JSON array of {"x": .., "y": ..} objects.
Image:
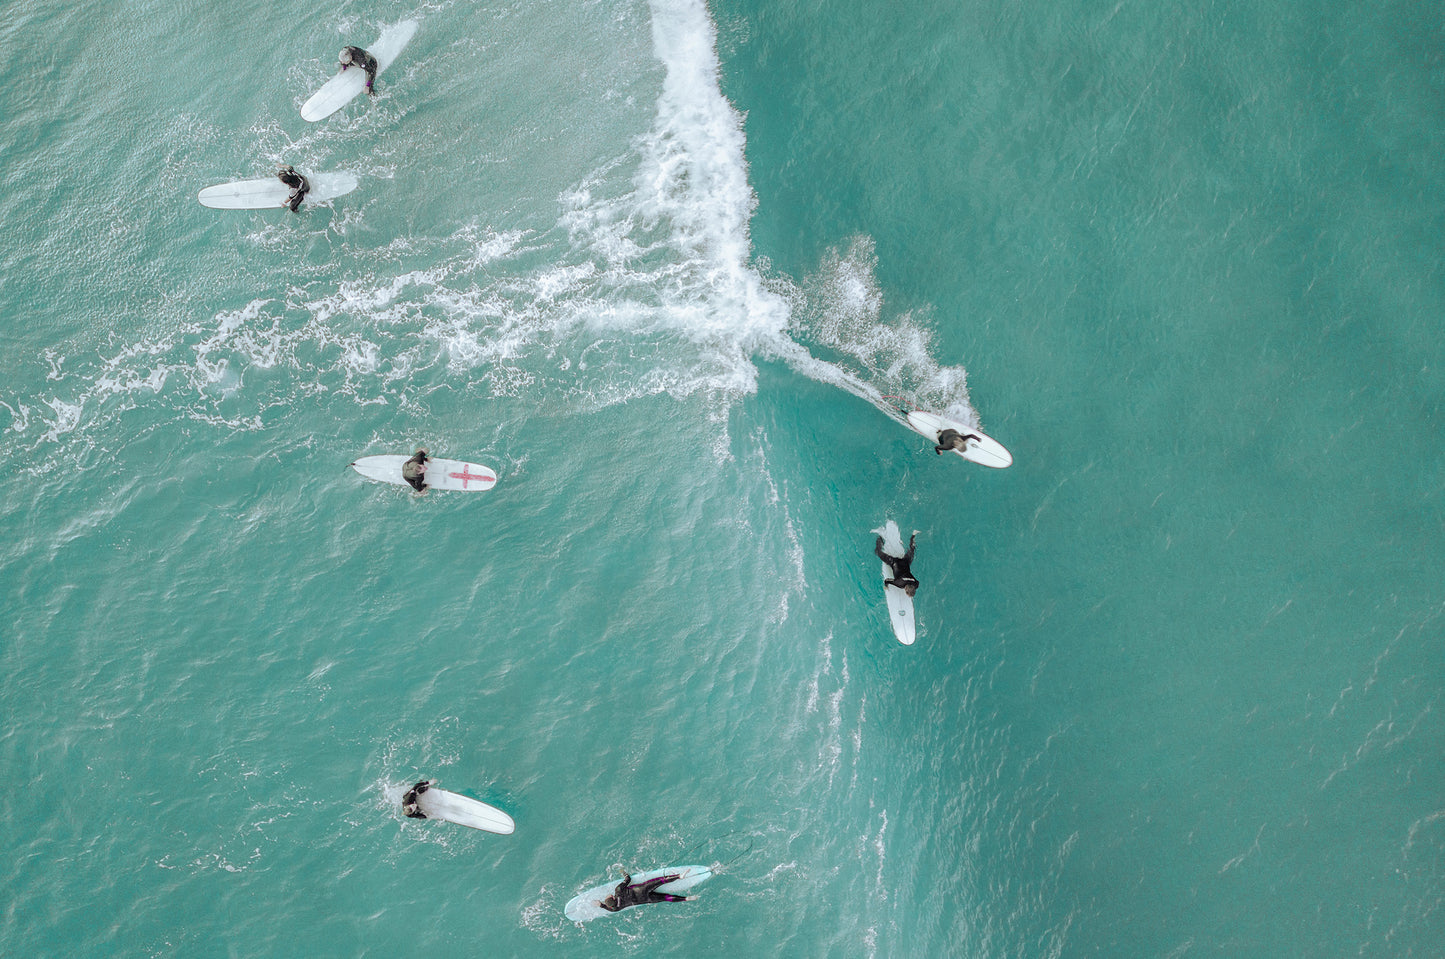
[{"x": 672, "y": 269}]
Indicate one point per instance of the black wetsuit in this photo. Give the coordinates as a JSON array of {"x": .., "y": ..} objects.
[
  {"x": 626, "y": 894},
  {"x": 299, "y": 185},
  {"x": 952, "y": 439},
  {"x": 412, "y": 471},
  {"x": 409, "y": 803},
  {"x": 900, "y": 565},
  {"x": 360, "y": 58}
]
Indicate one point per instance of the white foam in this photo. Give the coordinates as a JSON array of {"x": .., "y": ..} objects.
[
  {"x": 840, "y": 308},
  {"x": 67, "y": 416},
  {"x": 647, "y": 285}
]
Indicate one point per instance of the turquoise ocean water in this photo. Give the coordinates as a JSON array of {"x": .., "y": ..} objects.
[{"x": 662, "y": 265}]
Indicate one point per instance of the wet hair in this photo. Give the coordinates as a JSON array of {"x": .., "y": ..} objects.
[{"x": 911, "y": 588}]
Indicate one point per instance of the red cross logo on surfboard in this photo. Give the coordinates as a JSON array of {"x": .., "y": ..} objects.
[{"x": 466, "y": 475}]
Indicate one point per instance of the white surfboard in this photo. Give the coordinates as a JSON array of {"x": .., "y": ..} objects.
[
  {"x": 984, "y": 450},
  {"x": 349, "y": 83},
  {"x": 900, "y": 604},
  {"x": 439, "y": 474},
  {"x": 273, "y": 194},
  {"x": 440, "y": 804},
  {"x": 586, "y": 906}
]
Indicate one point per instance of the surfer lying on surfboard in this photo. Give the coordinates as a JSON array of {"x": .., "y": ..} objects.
[
  {"x": 414, "y": 471},
  {"x": 951, "y": 439},
  {"x": 408, "y": 802},
  {"x": 357, "y": 57},
  {"x": 300, "y": 186},
  {"x": 627, "y": 894},
  {"x": 900, "y": 565}
]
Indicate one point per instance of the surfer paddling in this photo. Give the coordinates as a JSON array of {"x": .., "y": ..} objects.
[
  {"x": 357, "y": 57},
  {"x": 952, "y": 439},
  {"x": 409, "y": 804},
  {"x": 300, "y": 186},
  {"x": 629, "y": 893},
  {"x": 903, "y": 576},
  {"x": 414, "y": 471}
]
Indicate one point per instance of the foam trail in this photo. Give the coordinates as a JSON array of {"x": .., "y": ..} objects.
[
  {"x": 801, "y": 361},
  {"x": 695, "y": 172}
]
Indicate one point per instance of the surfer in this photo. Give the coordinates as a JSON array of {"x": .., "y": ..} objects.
[
  {"x": 903, "y": 576},
  {"x": 408, "y": 802},
  {"x": 414, "y": 471},
  {"x": 299, "y": 185},
  {"x": 951, "y": 439},
  {"x": 357, "y": 57},
  {"x": 627, "y": 894}
]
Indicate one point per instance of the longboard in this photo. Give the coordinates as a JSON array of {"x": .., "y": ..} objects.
[
  {"x": 439, "y": 474},
  {"x": 985, "y": 450},
  {"x": 349, "y": 83},
  {"x": 585, "y": 905},
  {"x": 440, "y": 804},
  {"x": 900, "y": 604},
  {"x": 273, "y": 194}
]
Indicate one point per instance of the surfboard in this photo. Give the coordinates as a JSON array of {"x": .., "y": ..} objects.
[
  {"x": 440, "y": 474},
  {"x": 441, "y": 804},
  {"x": 900, "y": 604},
  {"x": 984, "y": 450},
  {"x": 349, "y": 83},
  {"x": 584, "y": 907},
  {"x": 273, "y": 194}
]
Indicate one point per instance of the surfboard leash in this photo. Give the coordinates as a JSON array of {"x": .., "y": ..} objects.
[{"x": 900, "y": 399}]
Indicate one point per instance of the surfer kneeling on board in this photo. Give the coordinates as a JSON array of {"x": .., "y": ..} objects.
[
  {"x": 299, "y": 185},
  {"x": 414, "y": 471},
  {"x": 903, "y": 576},
  {"x": 409, "y": 803},
  {"x": 954, "y": 440},
  {"x": 357, "y": 57},
  {"x": 626, "y": 894}
]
